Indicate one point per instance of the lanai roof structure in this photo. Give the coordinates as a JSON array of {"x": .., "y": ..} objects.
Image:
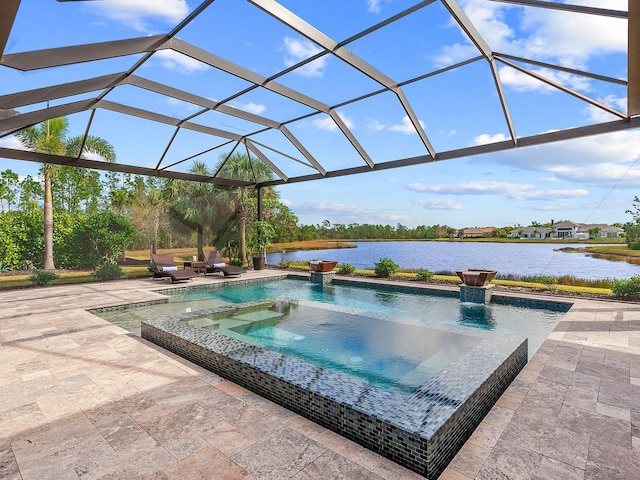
[{"x": 252, "y": 103}]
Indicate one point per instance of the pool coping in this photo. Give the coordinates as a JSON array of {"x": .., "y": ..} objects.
[{"x": 563, "y": 304}]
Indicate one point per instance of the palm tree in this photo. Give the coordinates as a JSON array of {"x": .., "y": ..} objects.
[
  {"x": 240, "y": 167},
  {"x": 51, "y": 137},
  {"x": 195, "y": 206}
]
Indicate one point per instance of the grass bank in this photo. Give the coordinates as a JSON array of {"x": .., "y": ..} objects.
[{"x": 411, "y": 275}]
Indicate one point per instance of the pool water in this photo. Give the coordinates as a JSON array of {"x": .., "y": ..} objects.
[
  {"x": 388, "y": 354},
  {"x": 417, "y": 309}
]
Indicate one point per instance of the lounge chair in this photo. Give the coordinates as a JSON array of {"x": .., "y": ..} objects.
[
  {"x": 215, "y": 264},
  {"x": 163, "y": 266}
]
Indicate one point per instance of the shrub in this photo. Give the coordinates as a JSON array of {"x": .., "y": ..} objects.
[
  {"x": 346, "y": 269},
  {"x": 42, "y": 278},
  {"x": 626, "y": 288},
  {"x": 385, "y": 267},
  {"x": 237, "y": 262},
  {"x": 21, "y": 239},
  {"x": 108, "y": 270},
  {"x": 424, "y": 274},
  {"x": 549, "y": 281},
  {"x": 634, "y": 245},
  {"x": 446, "y": 273},
  {"x": 98, "y": 238}
]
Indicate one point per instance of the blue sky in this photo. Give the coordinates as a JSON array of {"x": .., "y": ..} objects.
[{"x": 591, "y": 180}]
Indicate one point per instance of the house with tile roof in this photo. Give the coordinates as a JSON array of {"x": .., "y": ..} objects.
[
  {"x": 477, "y": 232},
  {"x": 568, "y": 229}
]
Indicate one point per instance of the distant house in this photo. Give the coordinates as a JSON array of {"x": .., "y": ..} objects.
[
  {"x": 567, "y": 229},
  {"x": 599, "y": 230},
  {"x": 477, "y": 232},
  {"x": 531, "y": 232}
]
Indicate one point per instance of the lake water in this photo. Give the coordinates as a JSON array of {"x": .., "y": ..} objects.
[{"x": 514, "y": 258}]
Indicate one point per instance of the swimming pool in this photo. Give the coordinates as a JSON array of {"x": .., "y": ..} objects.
[
  {"x": 417, "y": 410},
  {"x": 416, "y": 306}
]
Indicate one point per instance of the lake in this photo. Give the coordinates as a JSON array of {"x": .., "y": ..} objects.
[{"x": 514, "y": 258}]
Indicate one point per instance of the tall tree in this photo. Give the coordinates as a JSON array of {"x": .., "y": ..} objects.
[
  {"x": 198, "y": 206},
  {"x": 147, "y": 207},
  {"x": 77, "y": 190},
  {"x": 241, "y": 167},
  {"x": 8, "y": 184},
  {"x": 30, "y": 191},
  {"x": 51, "y": 137}
]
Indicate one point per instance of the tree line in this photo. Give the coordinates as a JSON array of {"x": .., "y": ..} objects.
[{"x": 43, "y": 219}]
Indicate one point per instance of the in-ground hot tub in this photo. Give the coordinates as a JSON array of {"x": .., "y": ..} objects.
[{"x": 417, "y": 411}]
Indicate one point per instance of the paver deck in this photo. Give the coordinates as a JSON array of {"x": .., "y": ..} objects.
[{"x": 82, "y": 398}]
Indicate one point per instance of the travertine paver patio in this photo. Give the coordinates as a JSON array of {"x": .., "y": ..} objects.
[{"x": 82, "y": 398}]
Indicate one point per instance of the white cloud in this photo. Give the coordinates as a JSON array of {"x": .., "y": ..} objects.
[
  {"x": 553, "y": 195},
  {"x": 337, "y": 208},
  {"x": 348, "y": 213},
  {"x": 570, "y": 39},
  {"x": 608, "y": 173},
  {"x": 471, "y": 188},
  {"x": 172, "y": 60},
  {"x": 327, "y": 123},
  {"x": 139, "y": 13},
  {"x": 597, "y": 160},
  {"x": 550, "y": 179},
  {"x": 375, "y": 125},
  {"x": 450, "y": 54},
  {"x": 598, "y": 115},
  {"x": 373, "y": 6},
  {"x": 252, "y": 107},
  {"x": 93, "y": 156},
  {"x": 440, "y": 204},
  {"x": 174, "y": 102},
  {"x": 324, "y": 123},
  {"x": 488, "y": 18},
  {"x": 11, "y": 142},
  {"x": 513, "y": 191},
  {"x": 522, "y": 82},
  {"x": 405, "y": 127},
  {"x": 255, "y": 108},
  {"x": 298, "y": 50},
  {"x": 486, "y": 138}
]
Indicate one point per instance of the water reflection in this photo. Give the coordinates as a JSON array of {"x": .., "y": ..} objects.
[
  {"x": 616, "y": 258},
  {"x": 386, "y": 298},
  {"x": 476, "y": 315}
]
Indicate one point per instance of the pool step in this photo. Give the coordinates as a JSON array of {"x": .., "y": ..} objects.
[
  {"x": 276, "y": 335},
  {"x": 427, "y": 369},
  {"x": 258, "y": 315}
]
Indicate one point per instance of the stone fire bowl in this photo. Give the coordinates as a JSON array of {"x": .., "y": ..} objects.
[
  {"x": 476, "y": 277},
  {"x": 322, "y": 266}
]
